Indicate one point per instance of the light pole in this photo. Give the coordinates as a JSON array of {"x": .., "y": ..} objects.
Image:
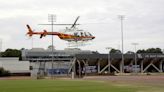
[
  {"x": 32, "y": 41},
  {"x": 52, "y": 19},
  {"x": 135, "y": 56},
  {"x": 109, "y": 61},
  {"x": 121, "y": 17}
]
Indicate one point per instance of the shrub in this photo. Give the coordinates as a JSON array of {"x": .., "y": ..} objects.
[{"x": 4, "y": 72}]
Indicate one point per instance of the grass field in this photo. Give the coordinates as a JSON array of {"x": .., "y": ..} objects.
[{"x": 71, "y": 86}]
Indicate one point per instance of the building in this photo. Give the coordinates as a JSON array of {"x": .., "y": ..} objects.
[
  {"x": 41, "y": 63},
  {"x": 14, "y": 66},
  {"x": 101, "y": 63},
  {"x": 85, "y": 62}
]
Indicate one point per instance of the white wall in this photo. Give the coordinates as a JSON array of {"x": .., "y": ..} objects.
[{"x": 14, "y": 65}]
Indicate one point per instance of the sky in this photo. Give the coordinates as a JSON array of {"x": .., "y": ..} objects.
[{"x": 143, "y": 22}]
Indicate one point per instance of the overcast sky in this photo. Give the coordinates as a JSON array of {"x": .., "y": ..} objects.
[{"x": 143, "y": 24}]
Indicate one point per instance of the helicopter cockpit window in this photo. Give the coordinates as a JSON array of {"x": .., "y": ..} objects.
[
  {"x": 75, "y": 34},
  {"x": 85, "y": 34},
  {"x": 82, "y": 34},
  {"x": 78, "y": 34},
  {"x": 66, "y": 28},
  {"x": 89, "y": 34}
]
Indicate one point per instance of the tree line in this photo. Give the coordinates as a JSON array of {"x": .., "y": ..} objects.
[
  {"x": 17, "y": 53},
  {"x": 11, "y": 53},
  {"x": 149, "y": 50}
]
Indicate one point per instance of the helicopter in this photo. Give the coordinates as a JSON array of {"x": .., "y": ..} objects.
[{"x": 72, "y": 34}]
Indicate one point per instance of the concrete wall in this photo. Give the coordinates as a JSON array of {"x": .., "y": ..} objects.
[{"x": 14, "y": 65}]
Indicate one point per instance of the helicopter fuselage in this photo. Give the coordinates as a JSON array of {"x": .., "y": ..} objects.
[
  {"x": 71, "y": 34},
  {"x": 74, "y": 36}
]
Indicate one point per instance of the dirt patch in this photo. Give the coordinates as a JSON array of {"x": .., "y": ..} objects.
[
  {"x": 15, "y": 78},
  {"x": 147, "y": 80}
]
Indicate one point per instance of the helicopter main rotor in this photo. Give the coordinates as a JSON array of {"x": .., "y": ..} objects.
[{"x": 73, "y": 25}]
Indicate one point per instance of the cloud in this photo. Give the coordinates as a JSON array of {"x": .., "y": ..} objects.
[{"x": 143, "y": 21}]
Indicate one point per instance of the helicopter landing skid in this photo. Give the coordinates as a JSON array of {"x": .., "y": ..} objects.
[{"x": 78, "y": 44}]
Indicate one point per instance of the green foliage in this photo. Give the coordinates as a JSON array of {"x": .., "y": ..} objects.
[
  {"x": 141, "y": 51},
  {"x": 4, "y": 72},
  {"x": 154, "y": 50},
  {"x": 115, "y": 51},
  {"x": 150, "y": 50},
  {"x": 130, "y": 52},
  {"x": 11, "y": 53}
]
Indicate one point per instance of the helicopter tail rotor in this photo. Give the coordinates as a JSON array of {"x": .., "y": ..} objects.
[{"x": 30, "y": 32}]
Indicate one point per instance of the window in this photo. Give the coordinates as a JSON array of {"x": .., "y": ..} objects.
[
  {"x": 76, "y": 34},
  {"x": 82, "y": 34},
  {"x": 89, "y": 34},
  {"x": 85, "y": 34}
]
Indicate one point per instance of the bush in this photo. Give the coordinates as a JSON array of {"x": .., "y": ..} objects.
[{"x": 4, "y": 72}]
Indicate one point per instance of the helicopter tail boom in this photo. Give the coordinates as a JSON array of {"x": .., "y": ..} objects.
[{"x": 42, "y": 34}]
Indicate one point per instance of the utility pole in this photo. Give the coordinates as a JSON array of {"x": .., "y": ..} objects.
[{"x": 121, "y": 17}]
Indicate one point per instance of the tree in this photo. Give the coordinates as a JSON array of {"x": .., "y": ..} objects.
[
  {"x": 141, "y": 51},
  {"x": 11, "y": 53},
  {"x": 50, "y": 47},
  {"x": 130, "y": 52},
  {"x": 154, "y": 50},
  {"x": 150, "y": 50},
  {"x": 4, "y": 72},
  {"x": 115, "y": 51}
]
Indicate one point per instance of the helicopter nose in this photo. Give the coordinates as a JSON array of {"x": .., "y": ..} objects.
[{"x": 93, "y": 37}]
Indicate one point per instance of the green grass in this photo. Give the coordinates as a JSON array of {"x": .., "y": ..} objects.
[{"x": 65, "y": 86}]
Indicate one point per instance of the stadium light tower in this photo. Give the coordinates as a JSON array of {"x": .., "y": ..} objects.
[
  {"x": 52, "y": 19},
  {"x": 121, "y": 17},
  {"x": 135, "y": 56}
]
